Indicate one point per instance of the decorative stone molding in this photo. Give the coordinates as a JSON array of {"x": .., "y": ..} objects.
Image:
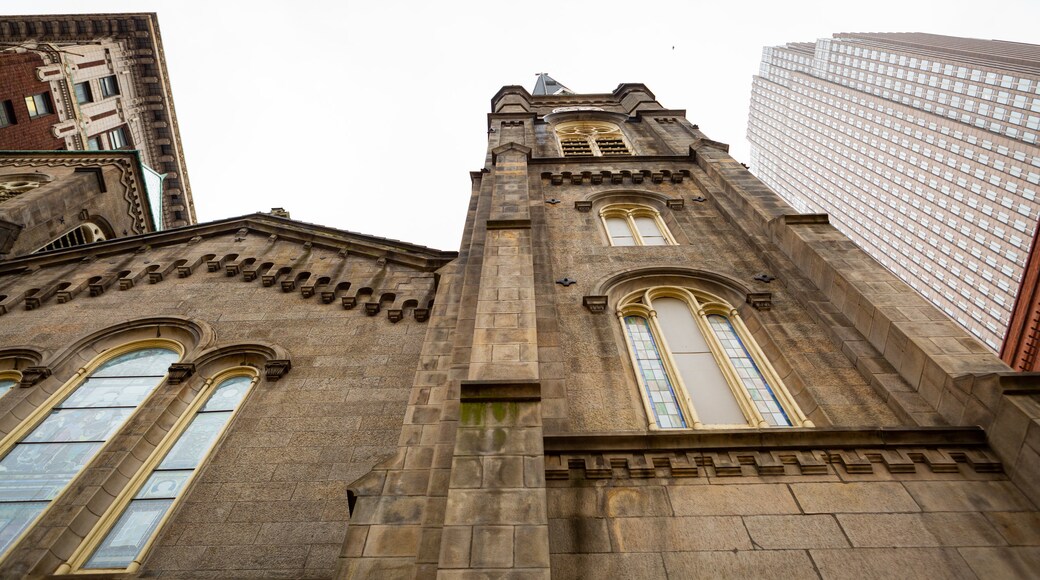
[
  {"x": 595, "y": 304},
  {"x": 583, "y": 206},
  {"x": 702, "y": 142},
  {"x": 33, "y": 375},
  {"x": 616, "y": 177},
  {"x": 276, "y": 368},
  {"x": 780, "y": 452},
  {"x": 179, "y": 372},
  {"x": 760, "y": 300},
  {"x": 676, "y": 203}
]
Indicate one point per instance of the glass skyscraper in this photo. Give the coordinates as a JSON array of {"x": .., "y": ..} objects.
[{"x": 922, "y": 148}]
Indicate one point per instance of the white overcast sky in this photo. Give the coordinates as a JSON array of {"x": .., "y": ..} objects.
[{"x": 369, "y": 115}]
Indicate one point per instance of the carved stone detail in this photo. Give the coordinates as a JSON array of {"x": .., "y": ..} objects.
[
  {"x": 179, "y": 372},
  {"x": 595, "y": 304},
  {"x": 760, "y": 300},
  {"x": 33, "y": 375},
  {"x": 276, "y": 369}
]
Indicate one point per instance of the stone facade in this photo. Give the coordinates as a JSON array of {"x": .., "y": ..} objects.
[{"x": 424, "y": 414}]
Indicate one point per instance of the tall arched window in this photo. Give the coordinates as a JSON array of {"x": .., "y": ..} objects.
[
  {"x": 591, "y": 139},
  {"x": 635, "y": 225},
  {"x": 63, "y": 435},
  {"x": 126, "y": 531},
  {"x": 697, "y": 365}
]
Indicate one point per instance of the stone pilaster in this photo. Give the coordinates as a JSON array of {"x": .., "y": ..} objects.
[{"x": 495, "y": 521}]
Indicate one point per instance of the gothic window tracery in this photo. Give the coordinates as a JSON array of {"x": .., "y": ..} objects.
[
  {"x": 698, "y": 367},
  {"x": 635, "y": 225},
  {"x": 591, "y": 139}
]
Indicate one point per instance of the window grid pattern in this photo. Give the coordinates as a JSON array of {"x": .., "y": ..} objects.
[
  {"x": 39, "y": 467},
  {"x": 893, "y": 145},
  {"x": 659, "y": 389},
  {"x": 758, "y": 389},
  {"x": 38, "y": 105},
  {"x": 145, "y": 512}
]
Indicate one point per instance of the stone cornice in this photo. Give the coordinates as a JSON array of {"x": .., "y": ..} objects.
[
  {"x": 776, "y": 452},
  {"x": 416, "y": 256}
]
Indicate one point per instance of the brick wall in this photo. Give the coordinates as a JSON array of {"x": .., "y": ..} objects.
[{"x": 18, "y": 80}]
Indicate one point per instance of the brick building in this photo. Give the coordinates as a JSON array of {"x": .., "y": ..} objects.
[
  {"x": 83, "y": 82},
  {"x": 641, "y": 363}
]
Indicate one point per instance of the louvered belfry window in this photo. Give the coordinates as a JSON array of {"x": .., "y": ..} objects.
[{"x": 591, "y": 139}]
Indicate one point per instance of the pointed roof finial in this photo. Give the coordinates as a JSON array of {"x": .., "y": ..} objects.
[{"x": 546, "y": 85}]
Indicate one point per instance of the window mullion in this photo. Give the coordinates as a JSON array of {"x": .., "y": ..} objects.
[
  {"x": 692, "y": 419},
  {"x": 788, "y": 403},
  {"x": 116, "y": 509},
  {"x": 751, "y": 414},
  {"x": 630, "y": 219}
]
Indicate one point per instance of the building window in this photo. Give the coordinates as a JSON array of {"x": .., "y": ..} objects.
[
  {"x": 83, "y": 92},
  {"x": 39, "y": 105},
  {"x": 109, "y": 86},
  {"x": 591, "y": 139},
  {"x": 94, "y": 143},
  {"x": 698, "y": 367},
  {"x": 87, "y": 233},
  {"x": 6, "y": 384},
  {"x": 634, "y": 225},
  {"x": 51, "y": 447},
  {"x": 117, "y": 138},
  {"x": 138, "y": 513},
  {"x": 6, "y": 114}
]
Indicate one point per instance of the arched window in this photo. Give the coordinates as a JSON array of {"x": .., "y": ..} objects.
[
  {"x": 697, "y": 365},
  {"x": 86, "y": 233},
  {"x": 591, "y": 139},
  {"x": 128, "y": 528},
  {"x": 50, "y": 447},
  {"x": 635, "y": 225}
]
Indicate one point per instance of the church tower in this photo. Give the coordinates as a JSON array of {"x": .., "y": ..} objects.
[{"x": 645, "y": 364}]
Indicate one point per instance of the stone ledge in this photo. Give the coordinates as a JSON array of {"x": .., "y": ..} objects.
[
  {"x": 769, "y": 438},
  {"x": 737, "y": 453},
  {"x": 806, "y": 218},
  {"x": 509, "y": 224},
  {"x": 480, "y": 391}
]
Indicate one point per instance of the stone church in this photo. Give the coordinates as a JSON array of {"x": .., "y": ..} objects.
[{"x": 641, "y": 363}]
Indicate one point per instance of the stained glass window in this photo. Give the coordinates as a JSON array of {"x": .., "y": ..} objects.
[
  {"x": 696, "y": 366},
  {"x": 658, "y": 386},
  {"x": 758, "y": 389},
  {"x": 143, "y": 515},
  {"x": 43, "y": 462}
]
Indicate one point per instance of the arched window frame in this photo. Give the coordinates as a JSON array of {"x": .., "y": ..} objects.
[
  {"x": 37, "y": 416},
  {"x": 702, "y": 305},
  {"x": 100, "y": 531},
  {"x": 629, "y": 212},
  {"x": 591, "y": 133}
]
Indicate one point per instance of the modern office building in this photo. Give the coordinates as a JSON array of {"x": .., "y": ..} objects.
[
  {"x": 923, "y": 149},
  {"x": 641, "y": 363},
  {"x": 92, "y": 82}
]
